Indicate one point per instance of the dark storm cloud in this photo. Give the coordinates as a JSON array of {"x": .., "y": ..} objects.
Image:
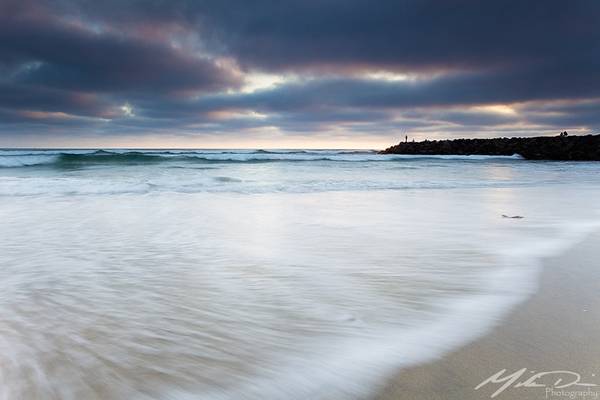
[
  {"x": 46, "y": 52},
  {"x": 570, "y": 113},
  {"x": 409, "y": 33},
  {"x": 28, "y": 98},
  {"x": 178, "y": 64},
  {"x": 460, "y": 89}
]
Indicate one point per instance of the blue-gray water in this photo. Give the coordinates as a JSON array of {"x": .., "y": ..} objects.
[{"x": 229, "y": 274}]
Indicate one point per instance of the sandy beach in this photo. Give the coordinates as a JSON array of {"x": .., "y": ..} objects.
[{"x": 557, "y": 329}]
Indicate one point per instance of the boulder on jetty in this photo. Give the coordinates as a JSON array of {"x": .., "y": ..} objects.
[{"x": 562, "y": 147}]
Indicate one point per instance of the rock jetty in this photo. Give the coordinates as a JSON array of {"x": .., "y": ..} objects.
[{"x": 562, "y": 147}]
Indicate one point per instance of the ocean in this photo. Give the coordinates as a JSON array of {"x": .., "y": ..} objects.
[{"x": 279, "y": 274}]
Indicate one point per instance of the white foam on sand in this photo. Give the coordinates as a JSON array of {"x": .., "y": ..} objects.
[{"x": 355, "y": 368}]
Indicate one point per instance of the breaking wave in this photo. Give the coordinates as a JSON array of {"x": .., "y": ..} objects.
[{"x": 82, "y": 158}]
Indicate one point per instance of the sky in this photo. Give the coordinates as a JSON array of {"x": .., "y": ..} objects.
[{"x": 294, "y": 74}]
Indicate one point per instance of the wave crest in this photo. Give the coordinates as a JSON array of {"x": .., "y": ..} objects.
[{"x": 72, "y": 159}]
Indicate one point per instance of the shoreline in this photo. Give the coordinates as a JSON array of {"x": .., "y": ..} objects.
[{"x": 554, "y": 329}]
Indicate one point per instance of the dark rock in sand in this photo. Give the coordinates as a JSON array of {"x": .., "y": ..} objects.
[{"x": 562, "y": 147}]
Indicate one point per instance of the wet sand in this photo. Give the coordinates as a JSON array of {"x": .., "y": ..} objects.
[{"x": 558, "y": 328}]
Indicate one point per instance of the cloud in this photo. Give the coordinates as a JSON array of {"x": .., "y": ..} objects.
[
  {"x": 48, "y": 53},
  {"x": 393, "y": 34},
  {"x": 133, "y": 66},
  {"x": 583, "y": 113}
]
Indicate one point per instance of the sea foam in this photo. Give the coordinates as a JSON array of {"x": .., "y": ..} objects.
[{"x": 314, "y": 279}]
